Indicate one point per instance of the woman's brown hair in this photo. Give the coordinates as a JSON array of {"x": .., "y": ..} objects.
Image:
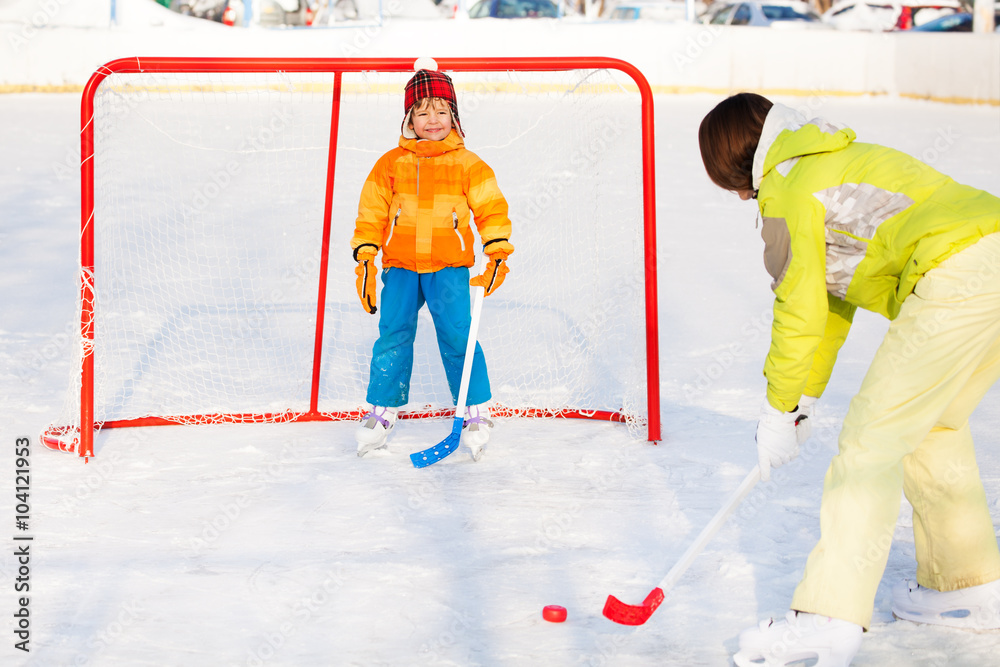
[{"x": 728, "y": 138}]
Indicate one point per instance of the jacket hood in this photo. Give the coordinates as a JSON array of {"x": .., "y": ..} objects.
[
  {"x": 787, "y": 134},
  {"x": 428, "y": 148}
]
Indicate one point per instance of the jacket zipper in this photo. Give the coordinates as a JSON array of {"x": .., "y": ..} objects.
[
  {"x": 454, "y": 219},
  {"x": 392, "y": 228}
]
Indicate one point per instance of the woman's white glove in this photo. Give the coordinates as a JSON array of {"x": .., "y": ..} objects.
[
  {"x": 803, "y": 423},
  {"x": 779, "y": 434}
]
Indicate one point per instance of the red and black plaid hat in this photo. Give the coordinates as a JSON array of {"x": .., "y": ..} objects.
[{"x": 429, "y": 83}]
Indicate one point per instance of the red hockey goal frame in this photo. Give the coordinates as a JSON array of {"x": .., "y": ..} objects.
[{"x": 55, "y": 437}]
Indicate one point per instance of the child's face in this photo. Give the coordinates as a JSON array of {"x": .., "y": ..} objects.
[{"x": 431, "y": 120}]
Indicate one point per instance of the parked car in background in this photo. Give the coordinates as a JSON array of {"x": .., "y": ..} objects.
[
  {"x": 211, "y": 10},
  {"x": 514, "y": 9},
  {"x": 273, "y": 13},
  {"x": 656, "y": 10},
  {"x": 331, "y": 12},
  {"x": 958, "y": 22},
  {"x": 282, "y": 12},
  {"x": 777, "y": 14},
  {"x": 882, "y": 15}
]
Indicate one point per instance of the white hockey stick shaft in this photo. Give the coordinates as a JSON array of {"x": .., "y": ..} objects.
[
  {"x": 709, "y": 531},
  {"x": 470, "y": 350}
]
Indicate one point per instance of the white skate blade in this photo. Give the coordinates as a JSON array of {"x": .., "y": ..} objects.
[
  {"x": 371, "y": 439},
  {"x": 475, "y": 437},
  {"x": 961, "y": 619},
  {"x": 741, "y": 660},
  {"x": 976, "y": 608},
  {"x": 371, "y": 447},
  {"x": 796, "y": 659},
  {"x": 477, "y": 451}
]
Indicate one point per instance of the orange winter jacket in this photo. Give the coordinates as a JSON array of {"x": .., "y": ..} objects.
[{"x": 416, "y": 202}]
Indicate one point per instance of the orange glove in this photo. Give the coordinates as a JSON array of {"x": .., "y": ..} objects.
[
  {"x": 366, "y": 271},
  {"x": 496, "y": 271}
]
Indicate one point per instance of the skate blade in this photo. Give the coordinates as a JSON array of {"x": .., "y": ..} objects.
[
  {"x": 805, "y": 658},
  {"x": 945, "y": 622},
  {"x": 372, "y": 447},
  {"x": 741, "y": 660}
]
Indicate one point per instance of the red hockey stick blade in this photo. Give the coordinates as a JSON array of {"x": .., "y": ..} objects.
[{"x": 630, "y": 614}]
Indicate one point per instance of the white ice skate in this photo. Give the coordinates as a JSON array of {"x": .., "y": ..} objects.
[
  {"x": 973, "y": 608},
  {"x": 373, "y": 432},
  {"x": 476, "y": 430},
  {"x": 799, "y": 637}
]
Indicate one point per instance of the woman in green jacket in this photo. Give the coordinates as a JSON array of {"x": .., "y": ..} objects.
[{"x": 846, "y": 225}]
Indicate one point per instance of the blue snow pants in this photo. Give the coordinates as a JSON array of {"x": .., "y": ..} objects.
[{"x": 446, "y": 293}]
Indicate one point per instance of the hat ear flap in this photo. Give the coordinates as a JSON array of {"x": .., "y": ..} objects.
[
  {"x": 455, "y": 121},
  {"x": 405, "y": 128}
]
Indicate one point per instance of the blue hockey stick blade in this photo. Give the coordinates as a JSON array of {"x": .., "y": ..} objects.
[{"x": 447, "y": 446}]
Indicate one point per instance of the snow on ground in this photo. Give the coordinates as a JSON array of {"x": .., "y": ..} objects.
[
  {"x": 247, "y": 545},
  {"x": 275, "y": 545}
]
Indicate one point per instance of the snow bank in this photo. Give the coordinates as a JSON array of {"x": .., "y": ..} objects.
[{"x": 59, "y": 43}]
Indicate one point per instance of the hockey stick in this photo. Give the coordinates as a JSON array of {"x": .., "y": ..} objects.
[
  {"x": 628, "y": 614},
  {"x": 447, "y": 446}
]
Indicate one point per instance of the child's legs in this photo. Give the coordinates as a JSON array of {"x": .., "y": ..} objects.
[
  {"x": 447, "y": 294},
  {"x": 392, "y": 355},
  {"x": 931, "y": 369}
]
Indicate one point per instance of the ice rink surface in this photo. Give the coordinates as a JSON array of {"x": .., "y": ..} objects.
[{"x": 276, "y": 545}]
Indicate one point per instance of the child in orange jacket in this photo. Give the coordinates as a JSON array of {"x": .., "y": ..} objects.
[{"x": 415, "y": 208}]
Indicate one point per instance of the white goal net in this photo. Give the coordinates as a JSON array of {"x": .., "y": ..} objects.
[{"x": 213, "y": 193}]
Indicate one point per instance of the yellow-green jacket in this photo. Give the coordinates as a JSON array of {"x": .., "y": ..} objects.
[{"x": 847, "y": 224}]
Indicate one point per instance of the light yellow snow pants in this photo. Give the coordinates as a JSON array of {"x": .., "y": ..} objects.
[{"x": 908, "y": 428}]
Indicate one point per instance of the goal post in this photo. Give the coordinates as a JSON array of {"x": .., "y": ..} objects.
[{"x": 218, "y": 197}]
